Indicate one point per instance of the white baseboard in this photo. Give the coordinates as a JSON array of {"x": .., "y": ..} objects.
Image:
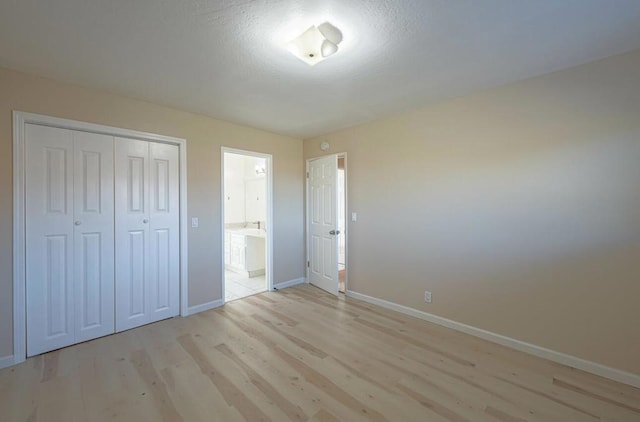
[
  {"x": 294, "y": 282},
  {"x": 204, "y": 307},
  {"x": 6, "y": 361},
  {"x": 552, "y": 355}
]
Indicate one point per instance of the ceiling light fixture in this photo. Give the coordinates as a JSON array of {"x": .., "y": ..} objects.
[{"x": 316, "y": 43}]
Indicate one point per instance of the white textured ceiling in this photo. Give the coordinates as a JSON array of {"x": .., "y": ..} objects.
[{"x": 227, "y": 59}]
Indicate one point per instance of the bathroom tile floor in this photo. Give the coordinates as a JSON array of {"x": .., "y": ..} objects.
[{"x": 238, "y": 286}]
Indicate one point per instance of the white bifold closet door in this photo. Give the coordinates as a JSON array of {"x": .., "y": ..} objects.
[
  {"x": 147, "y": 232},
  {"x": 69, "y": 237}
]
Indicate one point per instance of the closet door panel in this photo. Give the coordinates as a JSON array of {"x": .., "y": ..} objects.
[
  {"x": 49, "y": 238},
  {"x": 132, "y": 233},
  {"x": 164, "y": 297},
  {"x": 93, "y": 235}
]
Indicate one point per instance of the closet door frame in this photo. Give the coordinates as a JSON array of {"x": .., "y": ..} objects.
[{"x": 20, "y": 119}]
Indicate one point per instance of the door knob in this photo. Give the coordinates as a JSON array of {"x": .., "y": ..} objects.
[
  {"x": 334, "y": 232},
  {"x": 145, "y": 221},
  {"x": 77, "y": 222}
]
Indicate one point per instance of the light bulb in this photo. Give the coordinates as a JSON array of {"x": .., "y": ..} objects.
[{"x": 328, "y": 48}]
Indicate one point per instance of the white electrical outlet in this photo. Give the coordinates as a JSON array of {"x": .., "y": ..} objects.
[{"x": 427, "y": 296}]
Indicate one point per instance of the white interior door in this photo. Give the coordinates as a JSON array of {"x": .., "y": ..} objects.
[
  {"x": 164, "y": 226},
  {"x": 147, "y": 232},
  {"x": 323, "y": 223},
  {"x": 132, "y": 232},
  {"x": 49, "y": 238},
  {"x": 93, "y": 235},
  {"x": 69, "y": 237}
]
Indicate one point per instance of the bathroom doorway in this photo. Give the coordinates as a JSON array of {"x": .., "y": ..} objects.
[{"x": 246, "y": 223}]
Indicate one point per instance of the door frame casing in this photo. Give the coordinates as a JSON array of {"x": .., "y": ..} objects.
[
  {"x": 346, "y": 218},
  {"x": 20, "y": 119},
  {"x": 269, "y": 193}
]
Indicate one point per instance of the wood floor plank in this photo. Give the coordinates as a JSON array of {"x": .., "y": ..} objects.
[
  {"x": 298, "y": 342},
  {"x": 142, "y": 363},
  {"x": 281, "y": 377},
  {"x": 301, "y": 354},
  {"x": 583, "y": 391},
  {"x": 314, "y": 377},
  {"x": 51, "y": 362},
  {"x": 282, "y": 317},
  {"x": 232, "y": 394},
  {"x": 410, "y": 340},
  {"x": 323, "y": 416},
  {"x": 549, "y": 397},
  {"x": 369, "y": 309},
  {"x": 60, "y": 399},
  {"x": 434, "y": 406},
  {"x": 194, "y": 395},
  {"x": 502, "y": 416},
  {"x": 294, "y": 412}
]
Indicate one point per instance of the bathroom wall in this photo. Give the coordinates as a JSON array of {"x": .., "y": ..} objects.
[
  {"x": 234, "y": 212},
  {"x": 255, "y": 184},
  {"x": 245, "y": 190}
]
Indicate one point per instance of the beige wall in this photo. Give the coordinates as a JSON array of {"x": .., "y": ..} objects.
[
  {"x": 518, "y": 208},
  {"x": 205, "y": 136}
]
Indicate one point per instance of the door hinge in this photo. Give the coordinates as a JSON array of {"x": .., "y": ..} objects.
[
  {"x": 307, "y": 264},
  {"x": 307, "y": 175}
]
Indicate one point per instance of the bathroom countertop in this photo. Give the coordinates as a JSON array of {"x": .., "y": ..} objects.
[{"x": 248, "y": 232}]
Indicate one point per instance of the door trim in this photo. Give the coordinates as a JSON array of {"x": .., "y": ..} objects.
[
  {"x": 269, "y": 244},
  {"x": 20, "y": 119},
  {"x": 346, "y": 217}
]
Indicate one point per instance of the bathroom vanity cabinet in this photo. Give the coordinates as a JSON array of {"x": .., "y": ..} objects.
[{"x": 244, "y": 251}]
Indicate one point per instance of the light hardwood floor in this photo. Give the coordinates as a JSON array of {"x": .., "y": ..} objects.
[{"x": 300, "y": 354}]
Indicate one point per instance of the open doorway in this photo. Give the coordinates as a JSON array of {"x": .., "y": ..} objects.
[{"x": 246, "y": 223}]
